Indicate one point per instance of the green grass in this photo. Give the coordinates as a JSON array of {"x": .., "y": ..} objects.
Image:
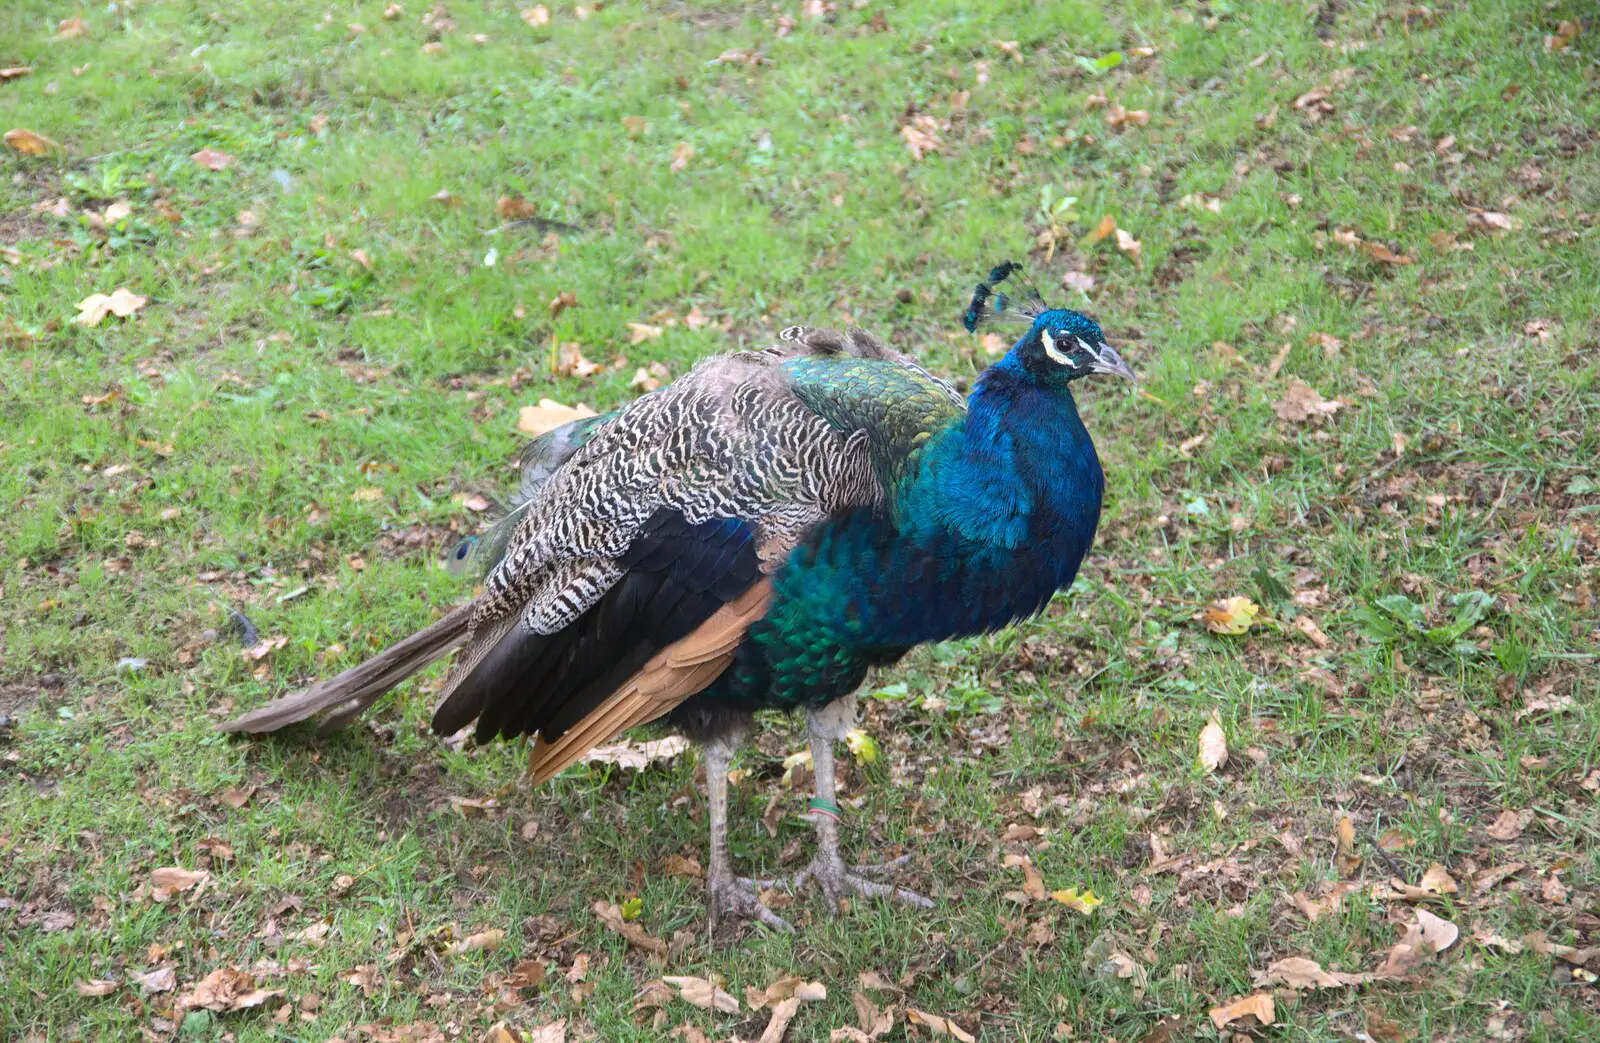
[{"x": 273, "y": 375}]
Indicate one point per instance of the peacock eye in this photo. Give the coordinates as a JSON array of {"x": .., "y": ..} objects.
[{"x": 461, "y": 551}]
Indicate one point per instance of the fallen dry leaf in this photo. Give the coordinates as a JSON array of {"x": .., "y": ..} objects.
[
  {"x": 1345, "y": 858},
  {"x": 95, "y": 987},
  {"x": 782, "y": 1013},
  {"x": 1301, "y": 403},
  {"x": 227, "y": 989},
  {"x": 1106, "y": 227},
  {"x": 639, "y": 332},
  {"x": 211, "y": 159},
  {"x": 1425, "y": 936},
  {"x": 1032, "y": 883},
  {"x": 169, "y": 880},
  {"x": 629, "y": 754},
  {"x": 1437, "y": 881},
  {"x": 682, "y": 153},
  {"x": 1129, "y": 245},
  {"x": 1379, "y": 252},
  {"x": 939, "y": 1026},
  {"x": 1297, "y": 972},
  {"x": 1486, "y": 879},
  {"x": 483, "y": 941},
  {"x": 922, "y": 136},
  {"x": 1509, "y": 825},
  {"x": 554, "y": 1032},
  {"x": 15, "y": 72},
  {"x": 1308, "y": 626},
  {"x": 30, "y": 143},
  {"x": 121, "y": 302},
  {"x": 516, "y": 208},
  {"x": 703, "y": 994},
  {"x": 1213, "y": 743},
  {"x": 1259, "y": 1006},
  {"x": 159, "y": 979},
  {"x": 1232, "y": 615},
  {"x": 1489, "y": 221},
  {"x": 549, "y": 415},
  {"x": 536, "y": 15},
  {"x": 679, "y": 865},
  {"x": 610, "y": 914}
]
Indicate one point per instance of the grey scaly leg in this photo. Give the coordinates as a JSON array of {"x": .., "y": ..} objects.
[
  {"x": 828, "y": 726},
  {"x": 732, "y": 898}
]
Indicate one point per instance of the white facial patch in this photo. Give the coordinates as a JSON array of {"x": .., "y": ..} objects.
[{"x": 1056, "y": 355}]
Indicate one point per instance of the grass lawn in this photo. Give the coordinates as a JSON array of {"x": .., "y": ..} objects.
[{"x": 1354, "y": 247}]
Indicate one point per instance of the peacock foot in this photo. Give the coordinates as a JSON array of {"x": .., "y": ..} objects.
[
  {"x": 736, "y": 898},
  {"x": 838, "y": 880}
]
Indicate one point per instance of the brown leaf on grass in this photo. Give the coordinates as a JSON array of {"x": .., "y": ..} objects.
[
  {"x": 95, "y": 987},
  {"x": 121, "y": 302},
  {"x": 1297, "y": 972},
  {"x": 1490, "y": 940},
  {"x": 922, "y": 136},
  {"x": 571, "y": 363},
  {"x": 679, "y": 865},
  {"x": 562, "y": 301},
  {"x": 610, "y": 914},
  {"x": 682, "y": 153},
  {"x": 704, "y": 994},
  {"x": 1233, "y": 615},
  {"x": 1213, "y": 745},
  {"x": 1489, "y": 222},
  {"x": 157, "y": 979},
  {"x": 1509, "y": 825},
  {"x": 516, "y": 208},
  {"x": 783, "y": 1012},
  {"x": 1118, "y": 117},
  {"x": 1345, "y": 858},
  {"x": 1129, "y": 245},
  {"x": 1379, "y": 252},
  {"x": 363, "y": 976},
  {"x": 211, "y": 159},
  {"x": 69, "y": 28},
  {"x": 1435, "y": 883},
  {"x": 1258, "y": 1006},
  {"x": 1301, "y": 403},
  {"x": 235, "y": 797},
  {"x": 554, "y": 1032},
  {"x": 536, "y": 16},
  {"x": 993, "y": 344},
  {"x": 639, "y": 332},
  {"x": 483, "y": 941},
  {"x": 1425, "y": 936},
  {"x": 227, "y": 989},
  {"x": 30, "y": 143},
  {"x": 549, "y": 415},
  {"x": 1393, "y": 840},
  {"x": 939, "y": 1026},
  {"x": 169, "y": 880},
  {"x": 1033, "y": 888},
  {"x": 636, "y": 755},
  {"x": 1308, "y": 626},
  {"x": 527, "y": 974},
  {"x": 1486, "y": 879},
  {"x": 267, "y": 646}
]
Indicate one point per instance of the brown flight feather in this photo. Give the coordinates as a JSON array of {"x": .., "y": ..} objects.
[{"x": 673, "y": 675}]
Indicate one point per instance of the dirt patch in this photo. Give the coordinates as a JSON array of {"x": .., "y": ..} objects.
[
  {"x": 21, "y": 225},
  {"x": 16, "y": 699}
]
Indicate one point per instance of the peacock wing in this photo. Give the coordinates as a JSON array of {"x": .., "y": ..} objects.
[{"x": 668, "y": 512}]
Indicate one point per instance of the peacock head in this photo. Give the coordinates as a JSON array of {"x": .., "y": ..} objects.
[{"x": 1060, "y": 345}]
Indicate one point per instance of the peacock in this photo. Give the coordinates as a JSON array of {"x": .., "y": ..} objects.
[{"x": 760, "y": 534}]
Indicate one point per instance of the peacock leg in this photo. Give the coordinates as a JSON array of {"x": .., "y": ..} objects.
[
  {"x": 732, "y": 898},
  {"x": 828, "y": 726}
]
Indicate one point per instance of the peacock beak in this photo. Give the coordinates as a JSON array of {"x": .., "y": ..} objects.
[{"x": 1108, "y": 361}]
